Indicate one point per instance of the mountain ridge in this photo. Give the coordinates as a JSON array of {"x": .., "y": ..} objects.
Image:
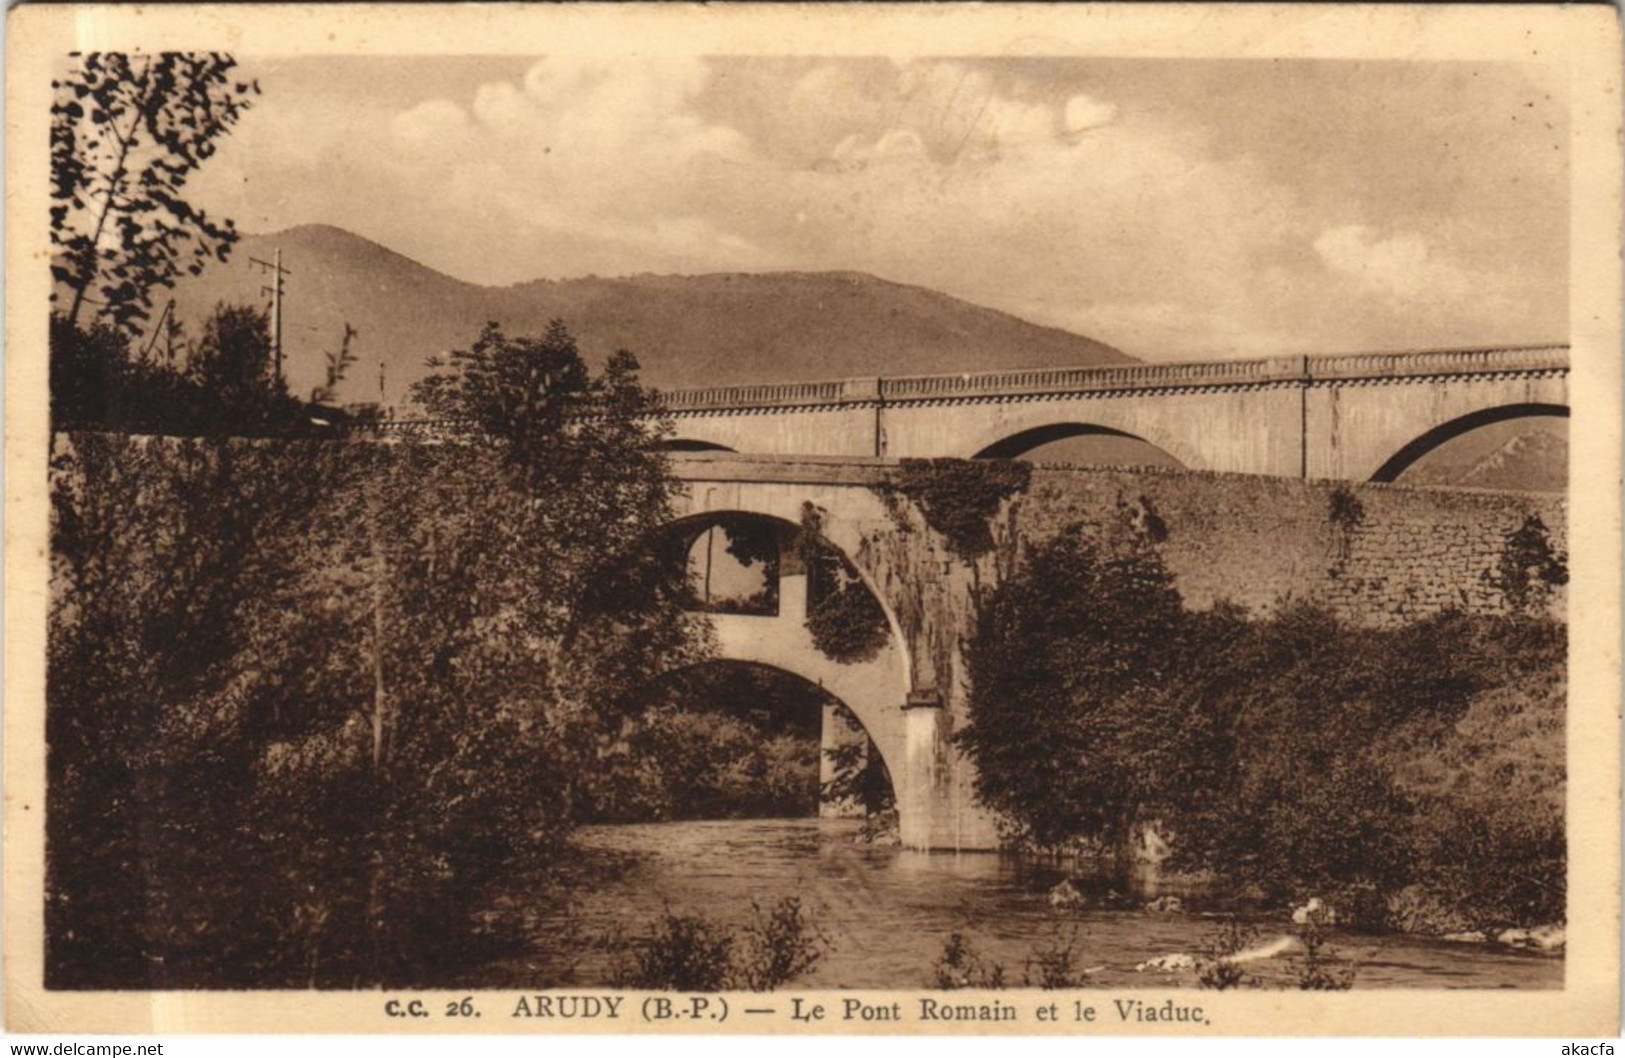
[{"x": 707, "y": 329}]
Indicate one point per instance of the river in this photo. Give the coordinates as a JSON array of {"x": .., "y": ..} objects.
[{"x": 887, "y": 912}]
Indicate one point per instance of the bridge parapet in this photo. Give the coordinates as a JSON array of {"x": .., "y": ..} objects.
[
  {"x": 1515, "y": 359},
  {"x": 1076, "y": 379},
  {"x": 780, "y": 394},
  {"x": 1124, "y": 378}
]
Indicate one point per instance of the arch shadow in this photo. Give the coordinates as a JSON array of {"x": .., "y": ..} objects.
[
  {"x": 1018, "y": 444},
  {"x": 685, "y": 444},
  {"x": 1407, "y": 456}
]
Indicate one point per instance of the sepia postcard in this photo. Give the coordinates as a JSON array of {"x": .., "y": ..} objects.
[{"x": 852, "y": 519}]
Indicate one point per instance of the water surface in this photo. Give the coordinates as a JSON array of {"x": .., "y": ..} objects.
[{"x": 888, "y": 912}]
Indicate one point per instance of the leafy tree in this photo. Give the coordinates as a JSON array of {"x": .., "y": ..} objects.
[
  {"x": 858, "y": 774},
  {"x": 339, "y": 363},
  {"x": 127, "y": 131},
  {"x": 1064, "y": 651},
  {"x": 721, "y": 740},
  {"x": 314, "y": 707},
  {"x": 228, "y": 385}
]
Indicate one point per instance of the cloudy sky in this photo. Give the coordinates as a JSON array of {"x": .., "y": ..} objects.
[{"x": 1175, "y": 209}]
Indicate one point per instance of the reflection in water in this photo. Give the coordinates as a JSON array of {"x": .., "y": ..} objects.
[{"x": 888, "y": 912}]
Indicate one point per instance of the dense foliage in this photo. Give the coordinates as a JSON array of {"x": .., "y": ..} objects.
[
  {"x": 857, "y": 774},
  {"x": 718, "y": 741},
  {"x": 309, "y": 702},
  {"x": 222, "y": 384},
  {"x": 127, "y": 131},
  {"x": 1413, "y": 773},
  {"x": 843, "y": 616},
  {"x": 958, "y": 497},
  {"x": 1061, "y": 655}
]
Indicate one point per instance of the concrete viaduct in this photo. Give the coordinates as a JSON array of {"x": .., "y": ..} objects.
[{"x": 1358, "y": 418}]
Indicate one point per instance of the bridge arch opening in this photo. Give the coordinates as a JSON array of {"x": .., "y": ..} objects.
[
  {"x": 730, "y": 739},
  {"x": 742, "y": 563},
  {"x": 688, "y": 444},
  {"x": 1083, "y": 444},
  {"x": 1522, "y": 447},
  {"x": 733, "y": 563}
]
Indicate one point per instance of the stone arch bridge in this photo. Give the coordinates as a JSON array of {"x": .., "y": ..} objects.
[{"x": 1249, "y": 539}]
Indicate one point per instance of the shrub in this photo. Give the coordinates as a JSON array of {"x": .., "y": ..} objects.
[
  {"x": 961, "y": 966},
  {"x": 680, "y": 953},
  {"x": 1317, "y": 717},
  {"x": 1216, "y": 967},
  {"x": 1054, "y": 963},
  {"x": 844, "y": 618},
  {"x": 1530, "y": 568},
  {"x": 690, "y": 953},
  {"x": 779, "y": 946},
  {"x": 1290, "y": 755}
]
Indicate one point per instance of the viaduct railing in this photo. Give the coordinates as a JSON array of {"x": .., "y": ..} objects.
[
  {"x": 1126, "y": 377},
  {"x": 1511, "y": 360}
]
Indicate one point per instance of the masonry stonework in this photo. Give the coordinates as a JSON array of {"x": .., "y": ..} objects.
[{"x": 1401, "y": 555}]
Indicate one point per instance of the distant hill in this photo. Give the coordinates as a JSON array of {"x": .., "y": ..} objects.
[
  {"x": 1523, "y": 455},
  {"x": 1531, "y": 462},
  {"x": 708, "y": 330}
]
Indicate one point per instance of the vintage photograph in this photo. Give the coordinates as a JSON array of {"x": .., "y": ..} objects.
[{"x": 745, "y": 521}]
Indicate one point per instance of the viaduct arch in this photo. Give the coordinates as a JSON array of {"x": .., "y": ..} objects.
[
  {"x": 1016, "y": 445},
  {"x": 1445, "y": 432}
]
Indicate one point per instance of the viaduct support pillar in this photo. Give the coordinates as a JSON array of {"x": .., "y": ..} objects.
[{"x": 921, "y": 787}]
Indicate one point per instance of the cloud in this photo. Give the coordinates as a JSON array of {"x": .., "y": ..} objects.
[
  {"x": 437, "y": 122},
  {"x": 1083, "y": 113},
  {"x": 1172, "y": 226},
  {"x": 579, "y": 157},
  {"x": 1397, "y": 266}
]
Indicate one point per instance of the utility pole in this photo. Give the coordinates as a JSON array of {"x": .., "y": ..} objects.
[
  {"x": 710, "y": 546},
  {"x": 158, "y": 331},
  {"x": 274, "y": 269}
]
